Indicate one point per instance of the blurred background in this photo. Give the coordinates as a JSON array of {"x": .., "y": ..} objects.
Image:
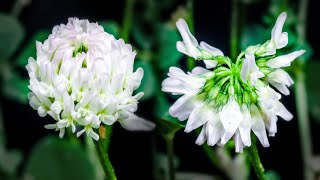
[{"x": 28, "y": 151}]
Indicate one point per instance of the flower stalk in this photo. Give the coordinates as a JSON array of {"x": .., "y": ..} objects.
[
  {"x": 104, "y": 159},
  {"x": 252, "y": 151}
]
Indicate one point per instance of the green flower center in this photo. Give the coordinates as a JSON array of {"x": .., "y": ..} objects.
[{"x": 226, "y": 83}]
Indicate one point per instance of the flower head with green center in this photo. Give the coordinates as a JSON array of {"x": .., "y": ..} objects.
[
  {"x": 83, "y": 77},
  {"x": 235, "y": 97}
]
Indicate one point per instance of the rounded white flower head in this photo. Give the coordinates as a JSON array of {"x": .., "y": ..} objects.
[
  {"x": 235, "y": 98},
  {"x": 83, "y": 77}
]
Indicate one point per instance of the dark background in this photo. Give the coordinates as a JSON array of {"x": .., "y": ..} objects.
[{"x": 130, "y": 152}]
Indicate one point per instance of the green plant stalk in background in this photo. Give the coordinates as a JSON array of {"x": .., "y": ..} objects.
[
  {"x": 301, "y": 97},
  {"x": 190, "y": 61},
  {"x": 234, "y": 29},
  {"x": 104, "y": 159},
  {"x": 127, "y": 20},
  {"x": 170, "y": 153}
]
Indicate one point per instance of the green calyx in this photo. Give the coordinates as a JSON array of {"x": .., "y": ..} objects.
[{"x": 226, "y": 83}]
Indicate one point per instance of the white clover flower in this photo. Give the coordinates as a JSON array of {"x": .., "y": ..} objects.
[
  {"x": 250, "y": 70},
  {"x": 279, "y": 39},
  {"x": 190, "y": 46},
  {"x": 271, "y": 108},
  {"x": 213, "y": 51},
  {"x": 235, "y": 98},
  {"x": 281, "y": 80},
  {"x": 83, "y": 77},
  {"x": 284, "y": 60}
]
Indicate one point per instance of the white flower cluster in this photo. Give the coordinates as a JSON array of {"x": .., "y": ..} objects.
[
  {"x": 234, "y": 98},
  {"x": 83, "y": 77}
]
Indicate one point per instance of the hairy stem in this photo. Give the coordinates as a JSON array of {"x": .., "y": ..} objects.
[{"x": 104, "y": 160}]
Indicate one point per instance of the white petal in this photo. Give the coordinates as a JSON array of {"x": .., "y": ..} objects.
[
  {"x": 282, "y": 40},
  {"x": 281, "y": 87},
  {"x": 215, "y": 130},
  {"x": 94, "y": 135},
  {"x": 280, "y": 76},
  {"x": 62, "y": 132},
  {"x": 199, "y": 70},
  {"x": 214, "y": 51},
  {"x": 282, "y": 111},
  {"x": 231, "y": 118},
  {"x": 258, "y": 126},
  {"x": 198, "y": 117},
  {"x": 202, "y": 136},
  {"x": 185, "y": 32},
  {"x": 182, "y": 48},
  {"x": 81, "y": 132},
  {"x": 284, "y": 60},
  {"x": 190, "y": 44},
  {"x": 245, "y": 126},
  {"x": 276, "y": 33},
  {"x": 135, "y": 123},
  {"x": 183, "y": 107},
  {"x": 238, "y": 142},
  {"x": 50, "y": 126},
  {"x": 210, "y": 63}
]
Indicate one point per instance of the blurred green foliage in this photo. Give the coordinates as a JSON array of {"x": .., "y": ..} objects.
[
  {"x": 313, "y": 87},
  {"x": 11, "y": 35},
  {"x": 53, "y": 158}
]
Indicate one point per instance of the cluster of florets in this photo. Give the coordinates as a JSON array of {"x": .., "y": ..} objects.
[
  {"x": 83, "y": 77},
  {"x": 236, "y": 96}
]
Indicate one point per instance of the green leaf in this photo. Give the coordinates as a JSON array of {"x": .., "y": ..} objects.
[
  {"x": 11, "y": 35},
  {"x": 30, "y": 49},
  {"x": 110, "y": 27},
  {"x": 313, "y": 88},
  {"x": 149, "y": 82},
  {"x": 62, "y": 159},
  {"x": 16, "y": 88},
  {"x": 168, "y": 54},
  {"x": 166, "y": 124}
]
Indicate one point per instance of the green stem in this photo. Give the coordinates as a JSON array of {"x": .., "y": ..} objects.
[
  {"x": 301, "y": 96},
  {"x": 190, "y": 61},
  {"x": 304, "y": 123},
  {"x": 255, "y": 161},
  {"x": 234, "y": 32},
  {"x": 170, "y": 153},
  {"x": 104, "y": 160},
  {"x": 127, "y": 20}
]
